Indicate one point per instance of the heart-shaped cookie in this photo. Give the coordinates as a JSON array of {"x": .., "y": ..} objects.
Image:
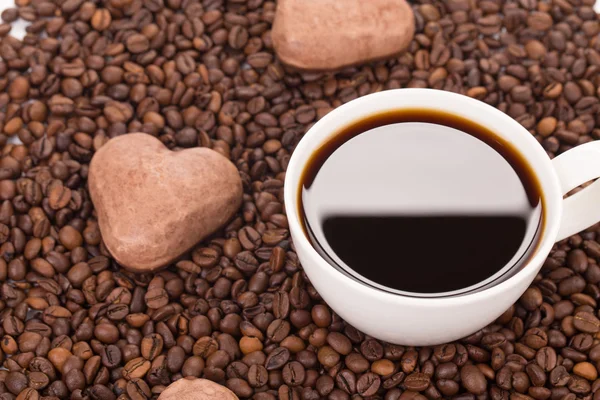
[
  {"x": 154, "y": 204},
  {"x": 331, "y": 34}
]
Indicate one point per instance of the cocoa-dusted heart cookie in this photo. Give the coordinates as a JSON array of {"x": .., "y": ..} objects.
[
  {"x": 196, "y": 389},
  {"x": 330, "y": 34},
  {"x": 154, "y": 204}
]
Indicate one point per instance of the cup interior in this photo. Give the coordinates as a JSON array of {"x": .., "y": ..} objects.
[{"x": 501, "y": 125}]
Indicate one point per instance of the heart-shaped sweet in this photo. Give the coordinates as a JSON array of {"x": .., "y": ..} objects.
[
  {"x": 331, "y": 34},
  {"x": 154, "y": 204}
]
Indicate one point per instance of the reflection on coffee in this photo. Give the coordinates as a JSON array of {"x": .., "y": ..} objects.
[{"x": 420, "y": 201}]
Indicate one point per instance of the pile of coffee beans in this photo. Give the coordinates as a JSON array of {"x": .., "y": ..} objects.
[{"x": 238, "y": 309}]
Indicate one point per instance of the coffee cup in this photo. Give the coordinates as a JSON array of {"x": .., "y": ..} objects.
[{"x": 430, "y": 320}]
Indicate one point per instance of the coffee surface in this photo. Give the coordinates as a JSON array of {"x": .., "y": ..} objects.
[{"x": 432, "y": 206}]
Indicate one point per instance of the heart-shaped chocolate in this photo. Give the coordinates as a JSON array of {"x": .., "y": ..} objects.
[
  {"x": 154, "y": 204},
  {"x": 331, "y": 34}
]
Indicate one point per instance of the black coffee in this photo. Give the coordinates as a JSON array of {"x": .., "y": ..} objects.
[{"x": 421, "y": 201}]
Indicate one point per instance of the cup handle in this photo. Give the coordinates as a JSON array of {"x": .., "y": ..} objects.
[{"x": 574, "y": 167}]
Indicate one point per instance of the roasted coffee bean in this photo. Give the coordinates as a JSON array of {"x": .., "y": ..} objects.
[
  {"x": 293, "y": 374},
  {"x": 106, "y": 333},
  {"x": 416, "y": 382},
  {"x": 117, "y": 312},
  {"x": 137, "y": 43},
  {"x": 546, "y": 358},
  {"x": 447, "y": 387},
  {"x": 357, "y": 363},
  {"x": 473, "y": 379},
  {"x": 138, "y": 389},
  {"x": 585, "y": 370},
  {"x": 277, "y": 358},
  {"x": 38, "y": 380},
  {"x": 16, "y": 382},
  {"x": 536, "y": 374},
  {"x": 136, "y": 368},
  {"x": 257, "y": 376},
  {"x": 371, "y": 349},
  {"x": 339, "y": 343},
  {"x": 151, "y": 346},
  {"x": 559, "y": 376},
  {"x": 368, "y": 384},
  {"x": 586, "y": 322},
  {"x": 383, "y": 367},
  {"x": 346, "y": 380},
  {"x": 156, "y": 298},
  {"x": 111, "y": 356}
]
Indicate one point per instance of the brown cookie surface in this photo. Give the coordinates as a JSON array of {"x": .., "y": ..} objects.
[
  {"x": 330, "y": 34},
  {"x": 154, "y": 204}
]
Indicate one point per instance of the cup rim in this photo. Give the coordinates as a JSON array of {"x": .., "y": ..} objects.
[{"x": 314, "y": 137}]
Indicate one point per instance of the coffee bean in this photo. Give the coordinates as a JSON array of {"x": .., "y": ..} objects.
[
  {"x": 58, "y": 356},
  {"x": 257, "y": 376},
  {"x": 473, "y": 379},
  {"x": 74, "y": 379},
  {"x": 277, "y": 358},
  {"x": 447, "y": 387},
  {"x": 416, "y": 382},
  {"x": 137, "y": 43},
  {"x": 106, "y": 333},
  {"x": 193, "y": 366},
  {"x": 151, "y": 346},
  {"x": 28, "y": 394},
  {"x": 111, "y": 356},
  {"x": 536, "y": 374},
  {"x": 136, "y": 368},
  {"x": 371, "y": 349},
  {"x": 325, "y": 385},
  {"x": 546, "y": 358},
  {"x": 278, "y": 330},
  {"x": 10, "y": 15},
  {"x": 100, "y": 392},
  {"x": 339, "y": 343},
  {"x": 383, "y": 367},
  {"x": 585, "y": 370},
  {"x": 586, "y": 322},
  {"x": 239, "y": 387},
  {"x": 559, "y": 376},
  {"x": 368, "y": 384},
  {"x": 346, "y": 380},
  {"x": 321, "y": 316},
  {"x": 101, "y": 19},
  {"x": 70, "y": 237},
  {"x": 539, "y": 21},
  {"x": 293, "y": 373},
  {"x": 138, "y": 389},
  {"x": 18, "y": 88},
  {"x": 38, "y": 380},
  {"x": 156, "y": 298},
  {"x": 281, "y": 305},
  {"x": 16, "y": 382},
  {"x": 394, "y": 380},
  {"x": 578, "y": 386},
  {"x": 249, "y": 345},
  {"x": 238, "y": 37}
]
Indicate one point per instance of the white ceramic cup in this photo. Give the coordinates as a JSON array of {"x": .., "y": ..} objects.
[{"x": 427, "y": 321}]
